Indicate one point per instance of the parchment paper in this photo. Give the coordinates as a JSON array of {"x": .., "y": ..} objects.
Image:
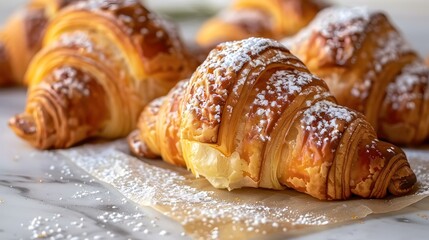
[{"x": 206, "y": 212}]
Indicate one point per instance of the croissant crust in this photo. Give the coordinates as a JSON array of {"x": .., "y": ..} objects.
[{"x": 252, "y": 115}]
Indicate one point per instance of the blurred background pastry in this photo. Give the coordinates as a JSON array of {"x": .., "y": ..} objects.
[
  {"x": 21, "y": 37},
  {"x": 273, "y": 19},
  {"x": 101, "y": 62},
  {"x": 370, "y": 67}
]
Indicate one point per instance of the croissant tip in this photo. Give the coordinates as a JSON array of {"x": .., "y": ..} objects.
[
  {"x": 23, "y": 125},
  {"x": 133, "y": 142},
  {"x": 402, "y": 182},
  {"x": 137, "y": 147}
]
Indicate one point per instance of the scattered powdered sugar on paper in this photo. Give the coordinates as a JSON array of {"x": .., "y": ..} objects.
[{"x": 206, "y": 212}]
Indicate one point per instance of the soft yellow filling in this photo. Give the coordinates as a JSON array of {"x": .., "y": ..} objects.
[{"x": 220, "y": 170}]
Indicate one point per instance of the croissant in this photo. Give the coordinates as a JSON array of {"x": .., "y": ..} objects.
[
  {"x": 369, "y": 67},
  {"x": 102, "y": 61},
  {"x": 21, "y": 37},
  {"x": 252, "y": 115},
  {"x": 253, "y": 18}
]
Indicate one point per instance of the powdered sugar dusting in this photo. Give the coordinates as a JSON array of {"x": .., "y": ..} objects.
[
  {"x": 69, "y": 80},
  {"x": 335, "y": 22},
  {"x": 280, "y": 90},
  {"x": 135, "y": 20},
  {"x": 405, "y": 89},
  {"x": 339, "y": 26},
  {"x": 154, "y": 108},
  {"x": 362, "y": 90},
  {"x": 323, "y": 121},
  {"x": 339, "y": 22},
  {"x": 213, "y": 81},
  {"x": 389, "y": 48},
  {"x": 233, "y": 55},
  {"x": 77, "y": 39}
]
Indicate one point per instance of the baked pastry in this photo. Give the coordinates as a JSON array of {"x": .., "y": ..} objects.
[
  {"x": 369, "y": 67},
  {"x": 102, "y": 61},
  {"x": 252, "y": 115},
  {"x": 21, "y": 37},
  {"x": 253, "y": 18}
]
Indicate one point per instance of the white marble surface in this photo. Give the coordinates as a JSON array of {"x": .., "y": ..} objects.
[{"x": 42, "y": 196}]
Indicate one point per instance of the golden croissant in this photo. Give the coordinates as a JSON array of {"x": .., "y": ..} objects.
[
  {"x": 102, "y": 61},
  {"x": 254, "y": 18},
  {"x": 22, "y": 35},
  {"x": 369, "y": 67},
  {"x": 252, "y": 115}
]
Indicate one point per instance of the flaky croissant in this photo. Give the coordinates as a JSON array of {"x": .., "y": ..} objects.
[
  {"x": 102, "y": 61},
  {"x": 252, "y": 115},
  {"x": 21, "y": 37},
  {"x": 369, "y": 67},
  {"x": 254, "y": 18}
]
